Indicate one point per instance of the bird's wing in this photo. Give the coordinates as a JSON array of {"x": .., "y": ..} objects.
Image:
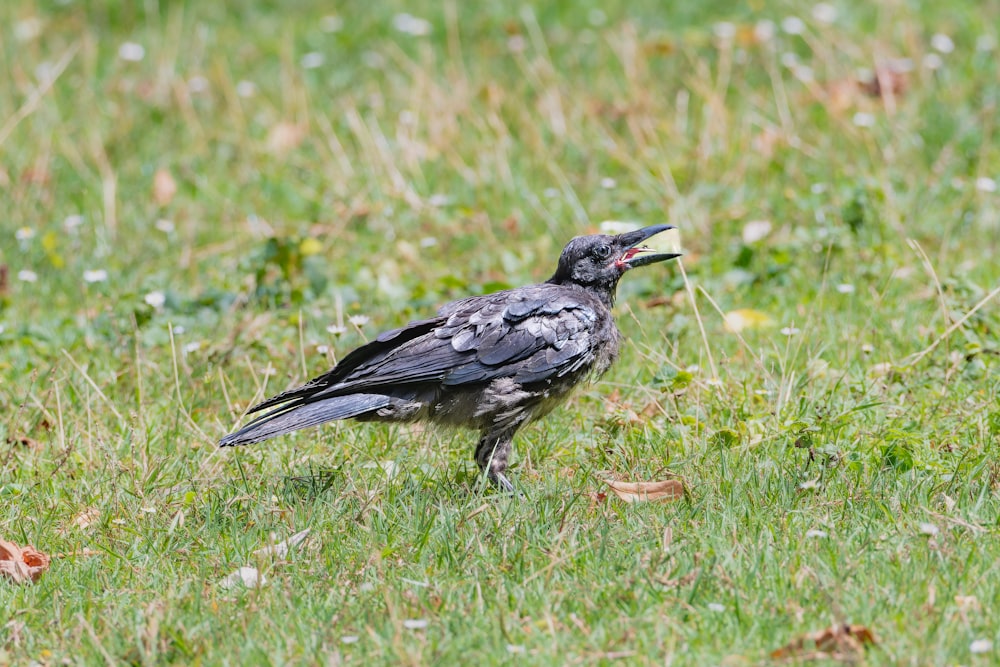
[{"x": 530, "y": 335}]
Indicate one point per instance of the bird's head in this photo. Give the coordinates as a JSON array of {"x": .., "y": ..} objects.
[{"x": 599, "y": 261}]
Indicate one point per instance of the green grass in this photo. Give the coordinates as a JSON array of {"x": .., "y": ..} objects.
[{"x": 835, "y": 474}]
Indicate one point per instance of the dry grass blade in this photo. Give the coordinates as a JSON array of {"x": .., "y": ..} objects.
[
  {"x": 634, "y": 492},
  {"x": 22, "y": 565},
  {"x": 840, "y": 642}
]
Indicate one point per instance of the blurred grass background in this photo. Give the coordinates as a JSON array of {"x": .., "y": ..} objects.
[{"x": 208, "y": 202}]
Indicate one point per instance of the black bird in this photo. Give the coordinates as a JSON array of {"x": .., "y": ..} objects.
[{"x": 491, "y": 362}]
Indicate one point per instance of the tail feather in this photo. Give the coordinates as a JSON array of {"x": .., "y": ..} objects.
[{"x": 294, "y": 417}]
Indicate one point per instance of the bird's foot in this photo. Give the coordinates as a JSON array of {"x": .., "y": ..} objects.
[
  {"x": 498, "y": 482},
  {"x": 502, "y": 483}
]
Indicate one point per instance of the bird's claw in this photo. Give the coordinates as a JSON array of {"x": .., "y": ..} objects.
[{"x": 502, "y": 483}]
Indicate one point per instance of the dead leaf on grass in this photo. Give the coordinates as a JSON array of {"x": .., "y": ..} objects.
[
  {"x": 597, "y": 498},
  {"x": 285, "y": 137},
  {"x": 248, "y": 577},
  {"x": 840, "y": 642},
  {"x": 22, "y": 565},
  {"x": 164, "y": 187},
  {"x": 86, "y": 518},
  {"x": 281, "y": 549},
  {"x": 631, "y": 492}
]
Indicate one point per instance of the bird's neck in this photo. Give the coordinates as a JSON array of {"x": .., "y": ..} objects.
[{"x": 604, "y": 293}]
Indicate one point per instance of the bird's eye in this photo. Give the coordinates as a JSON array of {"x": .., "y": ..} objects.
[{"x": 602, "y": 251}]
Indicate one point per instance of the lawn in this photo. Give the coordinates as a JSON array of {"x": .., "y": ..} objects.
[{"x": 206, "y": 205}]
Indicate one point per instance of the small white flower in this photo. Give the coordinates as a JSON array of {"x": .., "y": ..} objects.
[
  {"x": 817, "y": 188},
  {"x": 27, "y": 29},
  {"x": 179, "y": 330},
  {"x": 941, "y": 42},
  {"x": 131, "y": 52},
  {"x": 331, "y": 23},
  {"x": 793, "y": 25},
  {"x": 803, "y": 73},
  {"x": 156, "y": 299},
  {"x": 608, "y": 183},
  {"x": 864, "y": 119},
  {"x": 867, "y": 348},
  {"x": 24, "y": 234},
  {"x": 981, "y": 646},
  {"x": 984, "y": 184},
  {"x": 716, "y": 607},
  {"x": 95, "y": 276},
  {"x": 724, "y": 30},
  {"x": 597, "y": 18},
  {"x": 165, "y": 226},
  {"x": 986, "y": 43},
  {"x": 845, "y": 288},
  {"x": 515, "y": 648},
  {"x": 322, "y": 349},
  {"x": 246, "y": 89},
  {"x": 901, "y": 65},
  {"x": 27, "y": 276},
  {"x": 790, "y": 331},
  {"x": 148, "y": 510},
  {"x": 415, "y": 623},
  {"x": 336, "y": 330},
  {"x": 929, "y": 529},
  {"x": 933, "y": 61},
  {"x": 764, "y": 30},
  {"x": 755, "y": 230},
  {"x": 43, "y": 72},
  {"x": 198, "y": 84},
  {"x": 312, "y": 60},
  {"x": 814, "y": 532},
  {"x": 373, "y": 59},
  {"x": 439, "y": 200},
  {"x": 358, "y": 320},
  {"x": 193, "y": 346},
  {"x": 72, "y": 222},
  {"x": 428, "y": 242},
  {"x": 350, "y": 639},
  {"x": 411, "y": 25},
  {"x": 824, "y": 12}
]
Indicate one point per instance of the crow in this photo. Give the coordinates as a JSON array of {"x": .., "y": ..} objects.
[{"x": 491, "y": 363}]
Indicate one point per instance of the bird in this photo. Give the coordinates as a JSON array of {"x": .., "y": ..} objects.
[{"x": 491, "y": 363}]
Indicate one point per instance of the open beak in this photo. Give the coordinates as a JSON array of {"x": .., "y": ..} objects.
[{"x": 641, "y": 255}]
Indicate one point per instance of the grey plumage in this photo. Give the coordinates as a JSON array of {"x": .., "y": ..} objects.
[{"x": 491, "y": 362}]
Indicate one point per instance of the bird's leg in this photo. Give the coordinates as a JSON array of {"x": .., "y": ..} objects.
[{"x": 492, "y": 453}]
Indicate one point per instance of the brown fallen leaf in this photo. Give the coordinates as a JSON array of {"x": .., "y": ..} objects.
[
  {"x": 281, "y": 549},
  {"x": 285, "y": 137},
  {"x": 597, "y": 498},
  {"x": 632, "y": 492},
  {"x": 164, "y": 187},
  {"x": 839, "y": 642},
  {"x": 22, "y": 565}
]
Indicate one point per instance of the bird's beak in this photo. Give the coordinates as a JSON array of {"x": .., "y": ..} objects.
[{"x": 636, "y": 255}]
